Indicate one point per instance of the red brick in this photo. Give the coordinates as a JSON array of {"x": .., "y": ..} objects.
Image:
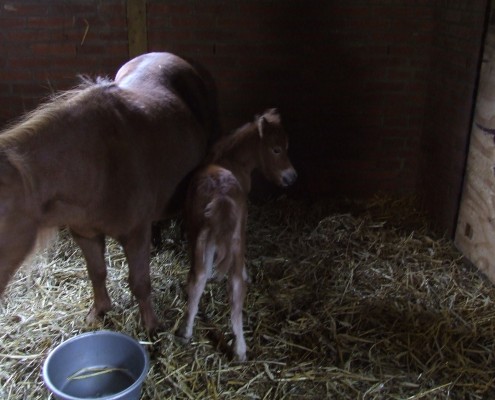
[
  {"x": 30, "y": 89},
  {"x": 191, "y": 21},
  {"x": 68, "y": 10},
  {"x": 170, "y": 36},
  {"x": 24, "y": 36},
  {"x": 154, "y": 9},
  {"x": 59, "y": 49},
  {"x": 111, "y": 35},
  {"x": 25, "y": 8},
  {"x": 12, "y": 22},
  {"x": 112, "y": 9},
  {"x": 18, "y": 75},
  {"x": 107, "y": 50},
  {"x": 50, "y": 22}
]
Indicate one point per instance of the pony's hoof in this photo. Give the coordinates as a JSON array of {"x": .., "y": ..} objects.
[
  {"x": 151, "y": 323},
  {"x": 94, "y": 316},
  {"x": 154, "y": 329}
]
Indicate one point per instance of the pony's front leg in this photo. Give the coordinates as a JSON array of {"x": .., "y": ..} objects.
[
  {"x": 137, "y": 250},
  {"x": 93, "y": 249}
]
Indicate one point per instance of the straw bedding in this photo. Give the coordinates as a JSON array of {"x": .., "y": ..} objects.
[{"x": 353, "y": 301}]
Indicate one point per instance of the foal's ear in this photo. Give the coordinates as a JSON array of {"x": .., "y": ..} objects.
[{"x": 261, "y": 125}]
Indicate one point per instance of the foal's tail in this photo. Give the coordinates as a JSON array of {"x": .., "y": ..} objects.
[
  {"x": 221, "y": 215},
  {"x": 222, "y": 219}
]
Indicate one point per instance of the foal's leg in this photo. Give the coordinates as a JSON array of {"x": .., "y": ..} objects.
[
  {"x": 237, "y": 293},
  {"x": 201, "y": 266},
  {"x": 137, "y": 250},
  {"x": 93, "y": 250}
]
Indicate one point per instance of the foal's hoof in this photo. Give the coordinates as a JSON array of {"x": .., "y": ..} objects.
[
  {"x": 182, "y": 339},
  {"x": 240, "y": 357},
  {"x": 181, "y": 335},
  {"x": 239, "y": 350}
]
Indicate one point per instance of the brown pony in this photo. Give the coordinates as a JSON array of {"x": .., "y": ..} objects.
[
  {"x": 106, "y": 159},
  {"x": 216, "y": 213}
]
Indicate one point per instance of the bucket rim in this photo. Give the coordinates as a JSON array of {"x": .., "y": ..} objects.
[{"x": 138, "y": 382}]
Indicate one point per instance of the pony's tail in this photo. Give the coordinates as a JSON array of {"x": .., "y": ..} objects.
[
  {"x": 44, "y": 236},
  {"x": 19, "y": 163},
  {"x": 20, "y": 234}
]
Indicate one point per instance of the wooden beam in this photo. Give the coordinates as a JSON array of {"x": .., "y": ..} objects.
[{"x": 136, "y": 27}]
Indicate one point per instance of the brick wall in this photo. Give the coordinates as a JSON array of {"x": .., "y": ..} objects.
[
  {"x": 364, "y": 86},
  {"x": 45, "y": 44},
  {"x": 349, "y": 77}
]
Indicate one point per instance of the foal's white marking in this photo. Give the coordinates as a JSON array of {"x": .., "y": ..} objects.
[{"x": 208, "y": 257}]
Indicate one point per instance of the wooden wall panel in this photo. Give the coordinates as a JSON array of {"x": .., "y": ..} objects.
[
  {"x": 475, "y": 234},
  {"x": 136, "y": 27}
]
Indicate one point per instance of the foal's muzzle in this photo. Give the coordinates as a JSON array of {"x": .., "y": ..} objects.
[{"x": 289, "y": 176}]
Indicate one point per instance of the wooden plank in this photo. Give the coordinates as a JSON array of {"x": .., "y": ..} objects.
[
  {"x": 136, "y": 27},
  {"x": 475, "y": 233}
]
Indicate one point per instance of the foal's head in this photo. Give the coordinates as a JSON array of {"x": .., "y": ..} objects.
[{"x": 274, "y": 161}]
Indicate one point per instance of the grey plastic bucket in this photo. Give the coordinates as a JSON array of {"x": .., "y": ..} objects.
[{"x": 100, "y": 365}]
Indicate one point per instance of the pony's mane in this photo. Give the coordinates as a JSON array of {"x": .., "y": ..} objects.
[
  {"x": 39, "y": 118},
  {"x": 50, "y": 109},
  {"x": 227, "y": 143}
]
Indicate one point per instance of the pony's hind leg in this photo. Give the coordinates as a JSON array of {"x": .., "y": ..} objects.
[
  {"x": 93, "y": 250},
  {"x": 137, "y": 250},
  {"x": 17, "y": 240}
]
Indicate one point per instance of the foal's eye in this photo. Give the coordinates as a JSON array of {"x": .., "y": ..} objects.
[{"x": 277, "y": 150}]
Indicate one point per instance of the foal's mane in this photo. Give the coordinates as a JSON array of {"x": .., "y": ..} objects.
[
  {"x": 228, "y": 142},
  {"x": 50, "y": 110}
]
